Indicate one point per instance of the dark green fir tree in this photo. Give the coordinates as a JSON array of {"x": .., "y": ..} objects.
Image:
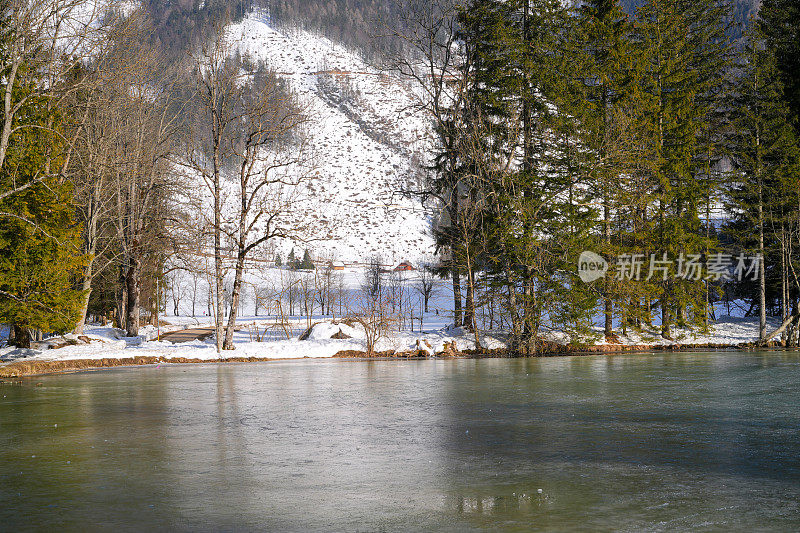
[
  {"x": 307, "y": 263},
  {"x": 763, "y": 150},
  {"x": 40, "y": 260}
]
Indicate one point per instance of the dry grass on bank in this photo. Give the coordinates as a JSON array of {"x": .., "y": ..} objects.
[{"x": 32, "y": 368}]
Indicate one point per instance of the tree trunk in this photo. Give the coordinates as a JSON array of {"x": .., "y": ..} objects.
[
  {"x": 132, "y": 285},
  {"x": 762, "y": 282},
  {"x": 469, "y": 311},
  {"x": 22, "y": 336},
  {"x": 86, "y": 287},
  {"x": 623, "y": 320},
  {"x": 122, "y": 299},
  {"x": 516, "y": 327},
  {"x": 454, "y": 270},
  {"x": 782, "y": 327},
  {"x": 218, "y": 275},
  {"x": 470, "y": 322},
  {"x": 527, "y": 166},
  {"x": 784, "y": 279},
  {"x": 666, "y": 319},
  {"x": 457, "y": 321},
  {"x": 790, "y": 334},
  {"x": 608, "y": 327},
  {"x": 785, "y": 312},
  {"x": 608, "y": 311},
  {"x": 706, "y": 285},
  {"x": 237, "y": 286}
]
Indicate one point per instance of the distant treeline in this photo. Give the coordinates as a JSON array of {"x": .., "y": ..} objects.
[
  {"x": 177, "y": 24},
  {"x": 362, "y": 25},
  {"x": 741, "y": 12}
]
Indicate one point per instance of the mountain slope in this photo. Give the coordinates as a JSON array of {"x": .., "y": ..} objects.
[{"x": 364, "y": 140}]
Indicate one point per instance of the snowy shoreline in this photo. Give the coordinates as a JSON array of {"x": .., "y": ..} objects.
[
  {"x": 103, "y": 346},
  {"x": 32, "y": 368}
]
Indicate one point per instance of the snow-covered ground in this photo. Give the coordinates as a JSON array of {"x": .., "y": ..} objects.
[
  {"x": 727, "y": 330},
  {"x": 265, "y": 337},
  {"x": 107, "y": 342}
]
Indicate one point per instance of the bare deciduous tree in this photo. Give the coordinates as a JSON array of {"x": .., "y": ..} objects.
[
  {"x": 425, "y": 284},
  {"x": 98, "y": 107},
  {"x": 142, "y": 175},
  {"x": 47, "y": 41},
  {"x": 375, "y": 317},
  {"x": 176, "y": 286},
  {"x": 372, "y": 285},
  {"x": 433, "y": 61},
  {"x": 308, "y": 293},
  {"x": 262, "y": 296},
  {"x": 249, "y": 136}
]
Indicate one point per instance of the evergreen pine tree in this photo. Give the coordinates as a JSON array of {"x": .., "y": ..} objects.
[
  {"x": 684, "y": 57},
  {"x": 763, "y": 150},
  {"x": 39, "y": 240},
  {"x": 602, "y": 52},
  {"x": 307, "y": 263},
  {"x": 523, "y": 164},
  {"x": 779, "y": 21}
]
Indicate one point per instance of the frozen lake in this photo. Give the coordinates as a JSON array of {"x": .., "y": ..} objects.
[{"x": 629, "y": 442}]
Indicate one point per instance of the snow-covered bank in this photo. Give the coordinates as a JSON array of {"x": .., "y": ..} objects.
[
  {"x": 105, "y": 342},
  {"x": 727, "y": 331},
  {"x": 328, "y": 338}
]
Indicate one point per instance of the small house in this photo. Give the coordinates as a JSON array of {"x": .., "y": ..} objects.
[{"x": 405, "y": 266}]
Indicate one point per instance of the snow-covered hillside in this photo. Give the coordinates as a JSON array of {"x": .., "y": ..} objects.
[{"x": 364, "y": 139}]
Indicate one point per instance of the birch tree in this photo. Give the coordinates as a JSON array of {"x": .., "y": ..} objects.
[{"x": 249, "y": 153}]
